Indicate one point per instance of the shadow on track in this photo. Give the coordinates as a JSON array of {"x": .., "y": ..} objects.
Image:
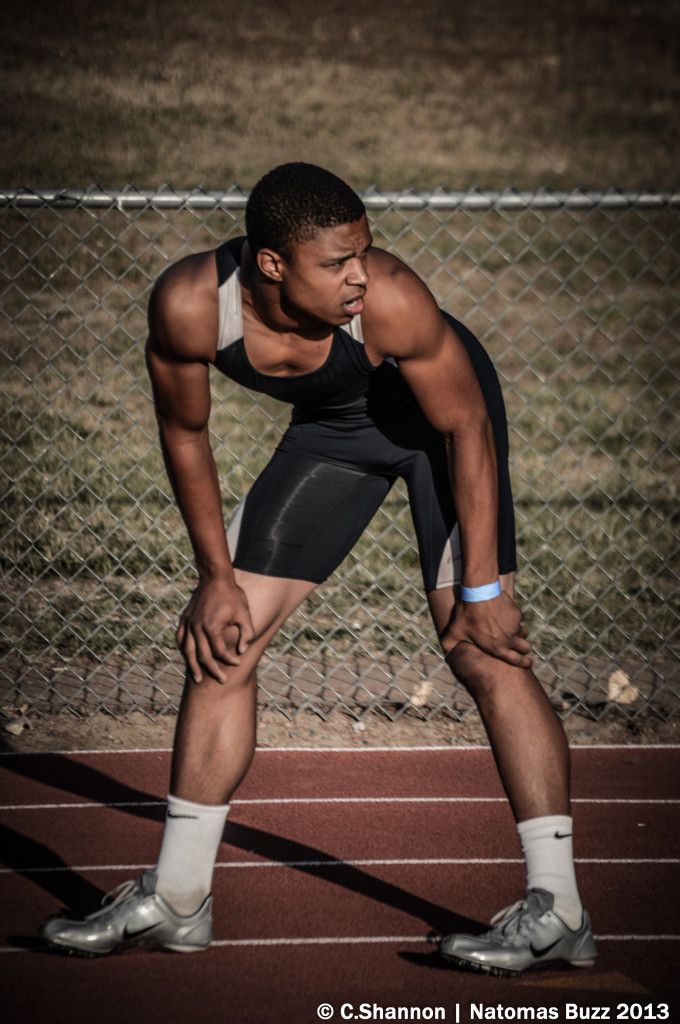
[{"x": 27, "y": 857}]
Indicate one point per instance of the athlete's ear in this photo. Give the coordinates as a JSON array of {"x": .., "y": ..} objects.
[{"x": 270, "y": 264}]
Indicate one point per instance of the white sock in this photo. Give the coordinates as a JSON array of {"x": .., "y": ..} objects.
[
  {"x": 188, "y": 851},
  {"x": 548, "y": 850}
]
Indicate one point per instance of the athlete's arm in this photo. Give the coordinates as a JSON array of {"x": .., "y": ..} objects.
[
  {"x": 181, "y": 344},
  {"x": 403, "y": 320}
]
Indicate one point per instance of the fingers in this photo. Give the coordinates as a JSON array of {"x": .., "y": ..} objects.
[
  {"x": 185, "y": 642},
  {"x": 246, "y": 633},
  {"x": 521, "y": 643},
  {"x": 501, "y": 636},
  {"x": 516, "y": 650},
  {"x": 514, "y": 657},
  {"x": 508, "y": 652},
  {"x": 213, "y": 655},
  {"x": 188, "y": 648},
  {"x": 207, "y": 652}
]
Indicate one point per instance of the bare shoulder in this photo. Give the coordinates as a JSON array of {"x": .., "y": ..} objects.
[
  {"x": 183, "y": 309},
  {"x": 400, "y": 311},
  {"x": 388, "y": 274}
]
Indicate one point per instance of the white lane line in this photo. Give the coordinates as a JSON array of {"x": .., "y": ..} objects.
[
  {"x": 424, "y": 861},
  {"x": 371, "y": 940},
  {"x": 89, "y": 805},
  {"x": 632, "y": 747},
  {"x": 442, "y": 800},
  {"x": 83, "y": 806},
  {"x": 321, "y": 940},
  {"x": 358, "y": 862}
]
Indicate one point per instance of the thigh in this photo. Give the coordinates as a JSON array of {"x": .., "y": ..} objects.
[
  {"x": 434, "y": 516},
  {"x": 436, "y": 525},
  {"x": 270, "y": 600},
  {"x": 302, "y": 516}
]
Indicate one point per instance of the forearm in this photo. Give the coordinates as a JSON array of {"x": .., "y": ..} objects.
[
  {"x": 193, "y": 477},
  {"x": 474, "y": 478}
]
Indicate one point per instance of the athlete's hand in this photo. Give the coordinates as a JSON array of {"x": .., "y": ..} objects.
[
  {"x": 215, "y": 629},
  {"x": 494, "y": 626}
]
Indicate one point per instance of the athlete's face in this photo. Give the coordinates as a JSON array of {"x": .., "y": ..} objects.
[{"x": 326, "y": 277}]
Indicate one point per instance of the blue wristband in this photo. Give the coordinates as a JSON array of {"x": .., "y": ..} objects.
[{"x": 483, "y": 593}]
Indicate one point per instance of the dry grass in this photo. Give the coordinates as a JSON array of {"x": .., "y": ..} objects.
[
  {"x": 505, "y": 92},
  {"x": 583, "y": 330},
  {"x": 499, "y": 94}
]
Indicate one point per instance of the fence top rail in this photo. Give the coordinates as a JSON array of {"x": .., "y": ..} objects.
[{"x": 234, "y": 198}]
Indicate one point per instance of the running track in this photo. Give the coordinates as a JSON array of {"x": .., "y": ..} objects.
[{"x": 338, "y": 863}]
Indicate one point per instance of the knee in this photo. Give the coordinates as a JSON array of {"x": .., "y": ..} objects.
[
  {"x": 471, "y": 667},
  {"x": 490, "y": 680},
  {"x": 225, "y": 672},
  {"x": 235, "y": 694}
]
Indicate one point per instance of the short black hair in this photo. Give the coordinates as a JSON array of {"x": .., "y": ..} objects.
[{"x": 291, "y": 202}]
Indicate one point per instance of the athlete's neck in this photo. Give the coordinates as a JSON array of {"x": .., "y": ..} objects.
[{"x": 264, "y": 301}]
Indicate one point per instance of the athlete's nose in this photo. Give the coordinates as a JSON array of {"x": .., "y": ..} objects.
[{"x": 357, "y": 273}]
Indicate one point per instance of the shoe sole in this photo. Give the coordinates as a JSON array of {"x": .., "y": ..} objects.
[
  {"x": 186, "y": 949},
  {"x": 90, "y": 954},
  {"x": 57, "y": 947},
  {"x": 507, "y": 972}
]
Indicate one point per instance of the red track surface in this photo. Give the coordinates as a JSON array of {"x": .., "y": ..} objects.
[{"x": 337, "y": 865}]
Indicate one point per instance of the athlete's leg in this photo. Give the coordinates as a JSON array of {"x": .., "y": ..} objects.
[
  {"x": 214, "y": 746},
  {"x": 171, "y": 906},
  {"x": 295, "y": 526},
  {"x": 525, "y": 734},
  {"x": 215, "y": 736},
  {"x": 298, "y": 522},
  {"x": 532, "y": 755}
]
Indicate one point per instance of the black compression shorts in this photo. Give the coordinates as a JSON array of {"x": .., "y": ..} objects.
[{"x": 325, "y": 481}]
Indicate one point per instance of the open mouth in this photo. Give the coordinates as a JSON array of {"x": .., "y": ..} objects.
[{"x": 355, "y": 306}]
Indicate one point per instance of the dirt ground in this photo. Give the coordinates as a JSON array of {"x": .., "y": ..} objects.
[
  {"x": 500, "y": 93},
  {"x": 102, "y": 732}
]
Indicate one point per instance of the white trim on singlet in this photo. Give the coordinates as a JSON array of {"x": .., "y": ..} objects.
[
  {"x": 230, "y": 305},
  {"x": 451, "y": 565},
  {"x": 230, "y": 310},
  {"x": 234, "y": 528},
  {"x": 353, "y": 328}
]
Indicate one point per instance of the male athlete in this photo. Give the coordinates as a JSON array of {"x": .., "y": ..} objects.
[{"x": 383, "y": 385}]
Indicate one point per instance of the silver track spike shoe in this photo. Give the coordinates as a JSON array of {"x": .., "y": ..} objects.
[
  {"x": 132, "y": 914},
  {"x": 527, "y": 934}
]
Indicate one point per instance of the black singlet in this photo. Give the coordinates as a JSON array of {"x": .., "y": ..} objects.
[{"x": 355, "y": 428}]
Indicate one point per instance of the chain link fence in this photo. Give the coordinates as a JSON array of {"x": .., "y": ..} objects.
[{"x": 575, "y": 296}]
